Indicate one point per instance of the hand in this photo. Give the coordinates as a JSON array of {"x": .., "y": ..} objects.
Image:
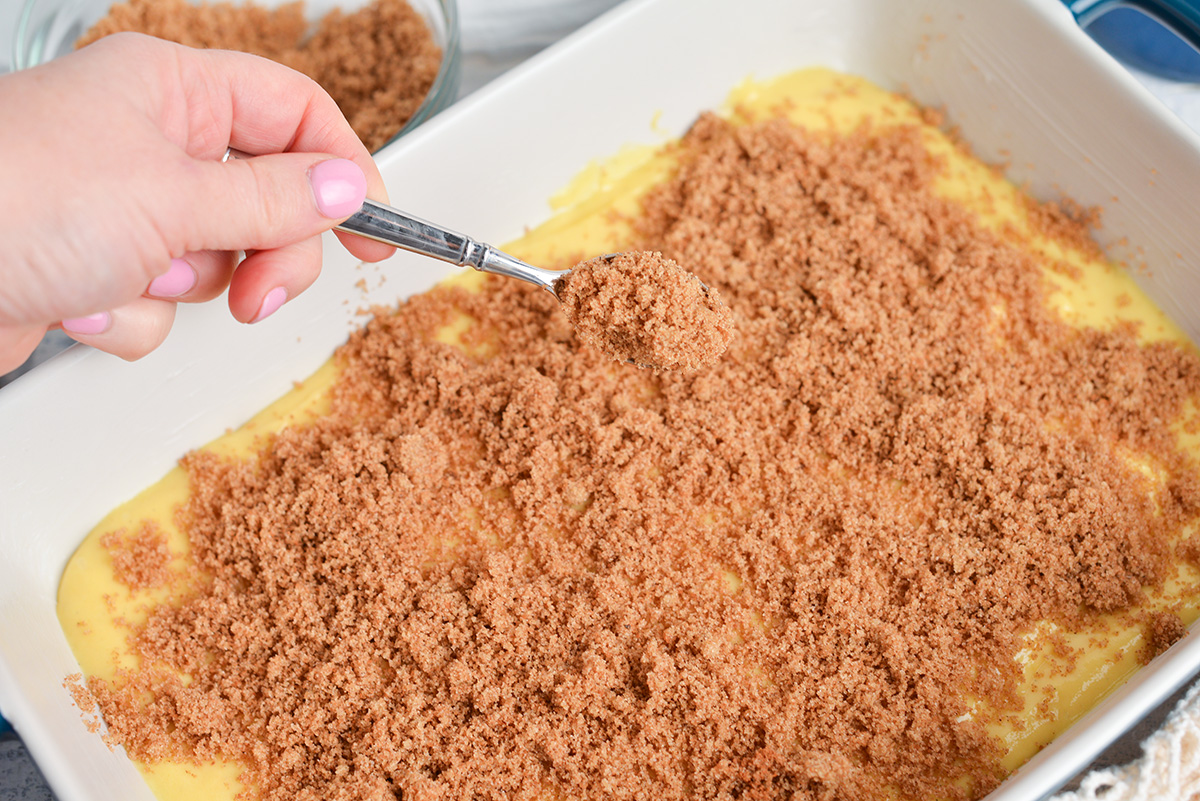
[{"x": 115, "y": 205}]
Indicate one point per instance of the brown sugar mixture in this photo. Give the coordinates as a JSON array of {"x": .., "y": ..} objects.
[
  {"x": 517, "y": 572},
  {"x": 377, "y": 62},
  {"x": 141, "y": 560},
  {"x": 643, "y": 308}
]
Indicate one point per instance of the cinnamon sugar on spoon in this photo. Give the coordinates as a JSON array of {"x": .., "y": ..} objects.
[{"x": 643, "y": 308}]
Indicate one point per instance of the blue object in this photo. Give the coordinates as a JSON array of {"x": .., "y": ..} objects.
[
  {"x": 6, "y": 730},
  {"x": 1161, "y": 37}
]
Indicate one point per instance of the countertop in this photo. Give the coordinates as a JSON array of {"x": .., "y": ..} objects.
[{"x": 491, "y": 47}]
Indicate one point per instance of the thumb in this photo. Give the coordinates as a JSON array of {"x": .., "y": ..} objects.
[{"x": 267, "y": 202}]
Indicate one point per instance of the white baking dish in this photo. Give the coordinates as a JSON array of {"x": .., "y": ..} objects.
[{"x": 86, "y": 431}]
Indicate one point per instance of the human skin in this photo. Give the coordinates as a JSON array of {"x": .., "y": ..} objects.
[{"x": 115, "y": 203}]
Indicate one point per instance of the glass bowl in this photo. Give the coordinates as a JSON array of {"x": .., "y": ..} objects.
[{"x": 47, "y": 29}]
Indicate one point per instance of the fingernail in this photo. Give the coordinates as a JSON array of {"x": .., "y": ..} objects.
[
  {"x": 339, "y": 187},
  {"x": 271, "y": 303},
  {"x": 174, "y": 282},
  {"x": 96, "y": 323}
]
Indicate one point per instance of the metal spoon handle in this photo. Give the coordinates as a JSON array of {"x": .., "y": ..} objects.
[{"x": 393, "y": 227}]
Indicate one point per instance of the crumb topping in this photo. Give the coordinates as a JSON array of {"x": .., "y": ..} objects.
[
  {"x": 378, "y": 62},
  {"x": 140, "y": 560},
  {"x": 77, "y": 687},
  {"x": 518, "y": 571},
  {"x": 643, "y": 308},
  {"x": 1160, "y": 631}
]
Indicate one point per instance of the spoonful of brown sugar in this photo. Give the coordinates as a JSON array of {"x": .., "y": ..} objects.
[
  {"x": 637, "y": 307},
  {"x": 643, "y": 308}
]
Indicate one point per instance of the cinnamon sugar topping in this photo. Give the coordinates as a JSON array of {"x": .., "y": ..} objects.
[
  {"x": 140, "y": 560},
  {"x": 643, "y": 308},
  {"x": 77, "y": 686},
  {"x": 515, "y": 572}
]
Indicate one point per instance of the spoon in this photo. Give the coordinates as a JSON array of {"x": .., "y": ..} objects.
[
  {"x": 391, "y": 226},
  {"x": 665, "y": 348}
]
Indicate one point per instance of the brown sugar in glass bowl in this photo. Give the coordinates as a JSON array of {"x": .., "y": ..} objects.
[{"x": 46, "y": 29}]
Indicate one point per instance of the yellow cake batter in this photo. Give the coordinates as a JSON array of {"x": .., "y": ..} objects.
[{"x": 92, "y": 601}]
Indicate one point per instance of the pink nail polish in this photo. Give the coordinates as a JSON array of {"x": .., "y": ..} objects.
[
  {"x": 96, "y": 323},
  {"x": 339, "y": 187},
  {"x": 270, "y": 304},
  {"x": 174, "y": 282}
]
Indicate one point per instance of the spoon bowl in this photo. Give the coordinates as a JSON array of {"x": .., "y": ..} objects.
[{"x": 630, "y": 345}]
